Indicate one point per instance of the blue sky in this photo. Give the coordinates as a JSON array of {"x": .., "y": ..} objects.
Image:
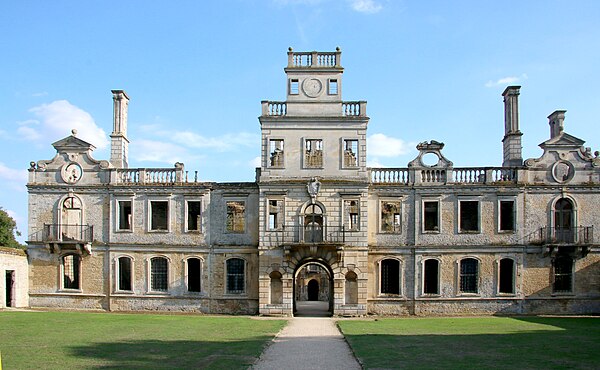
[{"x": 196, "y": 72}]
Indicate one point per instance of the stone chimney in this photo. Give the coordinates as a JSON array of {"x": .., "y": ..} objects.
[
  {"x": 512, "y": 135},
  {"x": 119, "y": 144},
  {"x": 556, "y": 121}
]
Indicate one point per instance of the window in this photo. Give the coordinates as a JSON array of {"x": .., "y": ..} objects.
[
  {"x": 276, "y": 153},
  {"x": 506, "y": 284},
  {"x": 236, "y": 216},
  {"x": 194, "y": 219},
  {"x": 507, "y": 215},
  {"x": 159, "y": 215},
  {"x": 294, "y": 86},
  {"x": 468, "y": 216},
  {"x": 159, "y": 274},
  {"x": 275, "y": 214},
  {"x": 71, "y": 266},
  {"x": 333, "y": 87},
  {"x": 125, "y": 215},
  {"x": 124, "y": 271},
  {"x": 194, "y": 273},
  {"x": 236, "y": 276},
  {"x": 563, "y": 275},
  {"x": 351, "y": 210},
  {"x": 350, "y": 153},
  {"x": 469, "y": 275},
  {"x": 313, "y": 153},
  {"x": 390, "y": 276},
  {"x": 390, "y": 216},
  {"x": 431, "y": 216},
  {"x": 431, "y": 276}
]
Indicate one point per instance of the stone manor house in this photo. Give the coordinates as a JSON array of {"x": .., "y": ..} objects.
[{"x": 317, "y": 223}]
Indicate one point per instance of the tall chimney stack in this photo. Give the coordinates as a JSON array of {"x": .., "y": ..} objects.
[
  {"x": 512, "y": 135},
  {"x": 119, "y": 144},
  {"x": 557, "y": 122}
]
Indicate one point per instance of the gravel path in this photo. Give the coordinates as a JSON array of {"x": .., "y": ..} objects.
[{"x": 308, "y": 343}]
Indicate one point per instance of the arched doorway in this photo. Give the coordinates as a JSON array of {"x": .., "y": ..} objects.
[
  {"x": 564, "y": 220},
  {"x": 313, "y": 289}
]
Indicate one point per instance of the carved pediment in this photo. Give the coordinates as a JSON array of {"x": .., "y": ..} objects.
[
  {"x": 431, "y": 149},
  {"x": 563, "y": 141},
  {"x": 72, "y": 144}
]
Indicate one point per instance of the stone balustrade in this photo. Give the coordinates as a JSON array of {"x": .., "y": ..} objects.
[
  {"x": 347, "y": 108},
  {"x": 465, "y": 175},
  {"x": 314, "y": 59},
  {"x": 137, "y": 176}
]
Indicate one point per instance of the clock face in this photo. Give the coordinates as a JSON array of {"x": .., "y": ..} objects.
[
  {"x": 71, "y": 173},
  {"x": 312, "y": 87}
]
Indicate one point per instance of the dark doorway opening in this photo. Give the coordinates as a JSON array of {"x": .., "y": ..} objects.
[
  {"x": 313, "y": 290},
  {"x": 10, "y": 288}
]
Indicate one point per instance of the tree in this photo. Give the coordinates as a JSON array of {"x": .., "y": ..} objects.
[{"x": 8, "y": 230}]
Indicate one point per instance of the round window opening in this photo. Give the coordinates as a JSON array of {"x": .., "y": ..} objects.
[{"x": 430, "y": 159}]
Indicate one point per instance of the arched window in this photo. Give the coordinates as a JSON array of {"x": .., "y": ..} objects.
[
  {"x": 563, "y": 274},
  {"x": 276, "y": 288},
  {"x": 469, "y": 275},
  {"x": 71, "y": 268},
  {"x": 236, "y": 276},
  {"x": 506, "y": 283},
  {"x": 351, "y": 288},
  {"x": 313, "y": 224},
  {"x": 71, "y": 219},
  {"x": 159, "y": 269},
  {"x": 124, "y": 271},
  {"x": 389, "y": 276},
  {"x": 431, "y": 276},
  {"x": 564, "y": 221},
  {"x": 194, "y": 274}
]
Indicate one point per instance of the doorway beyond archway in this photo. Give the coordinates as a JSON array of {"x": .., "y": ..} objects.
[{"x": 313, "y": 289}]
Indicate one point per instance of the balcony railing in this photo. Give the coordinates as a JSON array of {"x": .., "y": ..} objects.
[
  {"x": 64, "y": 233},
  {"x": 307, "y": 235},
  {"x": 314, "y": 59},
  {"x": 346, "y": 108},
  {"x": 434, "y": 175},
  {"x": 581, "y": 235}
]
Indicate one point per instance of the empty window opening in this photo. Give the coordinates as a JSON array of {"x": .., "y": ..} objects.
[
  {"x": 351, "y": 288},
  {"x": 313, "y": 153},
  {"x": 563, "y": 275},
  {"x": 294, "y": 86},
  {"x": 274, "y": 214},
  {"x": 10, "y": 288},
  {"x": 564, "y": 220},
  {"x": 431, "y": 277},
  {"x": 333, "y": 87},
  {"x": 469, "y": 216},
  {"x": 390, "y": 217},
  {"x": 313, "y": 224},
  {"x": 159, "y": 215},
  {"x": 194, "y": 220},
  {"x": 194, "y": 274},
  {"x": 236, "y": 216},
  {"x": 124, "y": 280},
  {"x": 431, "y": 216},
  {"x": 276, "y": 288},
  {"x": 507, "y": 215},
  {"x": 469, "y": 275},
  {"x": 159, "y": 274},
  {"x": 236, "y": 276},
  {"x": 351, "y": 207},
  {"x": 507, "y": 276},
  {"x": 71, "y": 271},
  {"x": 125, "y": 215},
  {"x": 350, "y": 153},
  {"x": 390, "y": 276},
  {"x": 276, "y": 153}
]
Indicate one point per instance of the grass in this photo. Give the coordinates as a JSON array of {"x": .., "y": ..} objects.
[
  {"x": 475, "y": 343},
  {"x": 69, "y": 340}
]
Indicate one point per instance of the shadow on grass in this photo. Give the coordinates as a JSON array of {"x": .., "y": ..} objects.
[
  {"x": 524, "y": 343},
  {"x": 170, "y": 354}
]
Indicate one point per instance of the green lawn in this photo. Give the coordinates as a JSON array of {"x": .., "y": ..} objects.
[
  {"x": 475, "y": 343},
  {"x": 70, "y": 340}
]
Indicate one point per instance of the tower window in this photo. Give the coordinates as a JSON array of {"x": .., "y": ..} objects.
[
  {"x": 350, "y": 153},
  {"x": 313, "y": 153},
  {"x": 276, "y": 153},
  {"x": 294, "y": 86},
  {"x": 333, "y": 87}
]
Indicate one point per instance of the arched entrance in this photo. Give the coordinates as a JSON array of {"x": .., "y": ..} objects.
[{"x": 313, "y": 289}]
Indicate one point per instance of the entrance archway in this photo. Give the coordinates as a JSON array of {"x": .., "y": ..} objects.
[{"x": 313, "y": 289}]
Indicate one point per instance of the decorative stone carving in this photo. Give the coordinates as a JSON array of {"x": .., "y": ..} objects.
[
  {"x": 312, "y": 87},
  {"x": 71, "y": 172},
  {"x": 433, "y": 147},
  {"x": 313, "y": 188},
  {"x": 563, "y": 171}
]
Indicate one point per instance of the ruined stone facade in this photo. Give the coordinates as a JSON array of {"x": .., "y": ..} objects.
[{"x": 317, "y": 223}]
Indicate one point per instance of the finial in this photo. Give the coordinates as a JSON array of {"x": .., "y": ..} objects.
[
  {"x": 74, "y": 132},
  {"x": 337, "y": 48},
  {"x": 290, "y": 48}
]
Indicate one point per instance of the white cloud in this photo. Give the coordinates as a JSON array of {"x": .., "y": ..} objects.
[
  {"x": 506, "y": 80},
  {"x": 366, "y": 6},
  {"x": 380, "y": 145},
  {"x": 15, "y": 179},
  {"x": 57, "y": 119},
  {"x": 255, "y": 162}
]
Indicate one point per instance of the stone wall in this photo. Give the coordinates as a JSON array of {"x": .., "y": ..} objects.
[{"x": 14, "y": 270}]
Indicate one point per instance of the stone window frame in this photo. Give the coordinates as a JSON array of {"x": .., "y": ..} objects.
[
  {"x": 400, "y": 277},
  {"x": 149, "y": 289},
  {"x": 236, "y": 199},
  {"x": 459, "y": 291},
  {"x": 303, "y": 151},
  {"x": 77, "y": 272},
  {"x": 571, "y": 290},
  {"x": 61, "y": 205},
  {"x": 333, "y": 86},
  {"x": 186, "y": 277},
  {"x": 358, "y": 153},
  {"x": 459, "y": 201},
  {"x": 226, "y": 290},
  {"x": 117, "y": 273},
  {"x": 380, "y": 214},
  {"x": 268, "y": 152},
  {"x": 149, "y": 201},
  {"x": 433, "y": 199},
  {"x": 439, "y": 276},
  {"x": 346, "y": 218},
  {"x": 499, "y": 276},
  {"x": 186, "y": 215},
  {"x": 499, "y": 201},
  {"x": 124, "y": 198},
  {"x": 281, "y": 214}
]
